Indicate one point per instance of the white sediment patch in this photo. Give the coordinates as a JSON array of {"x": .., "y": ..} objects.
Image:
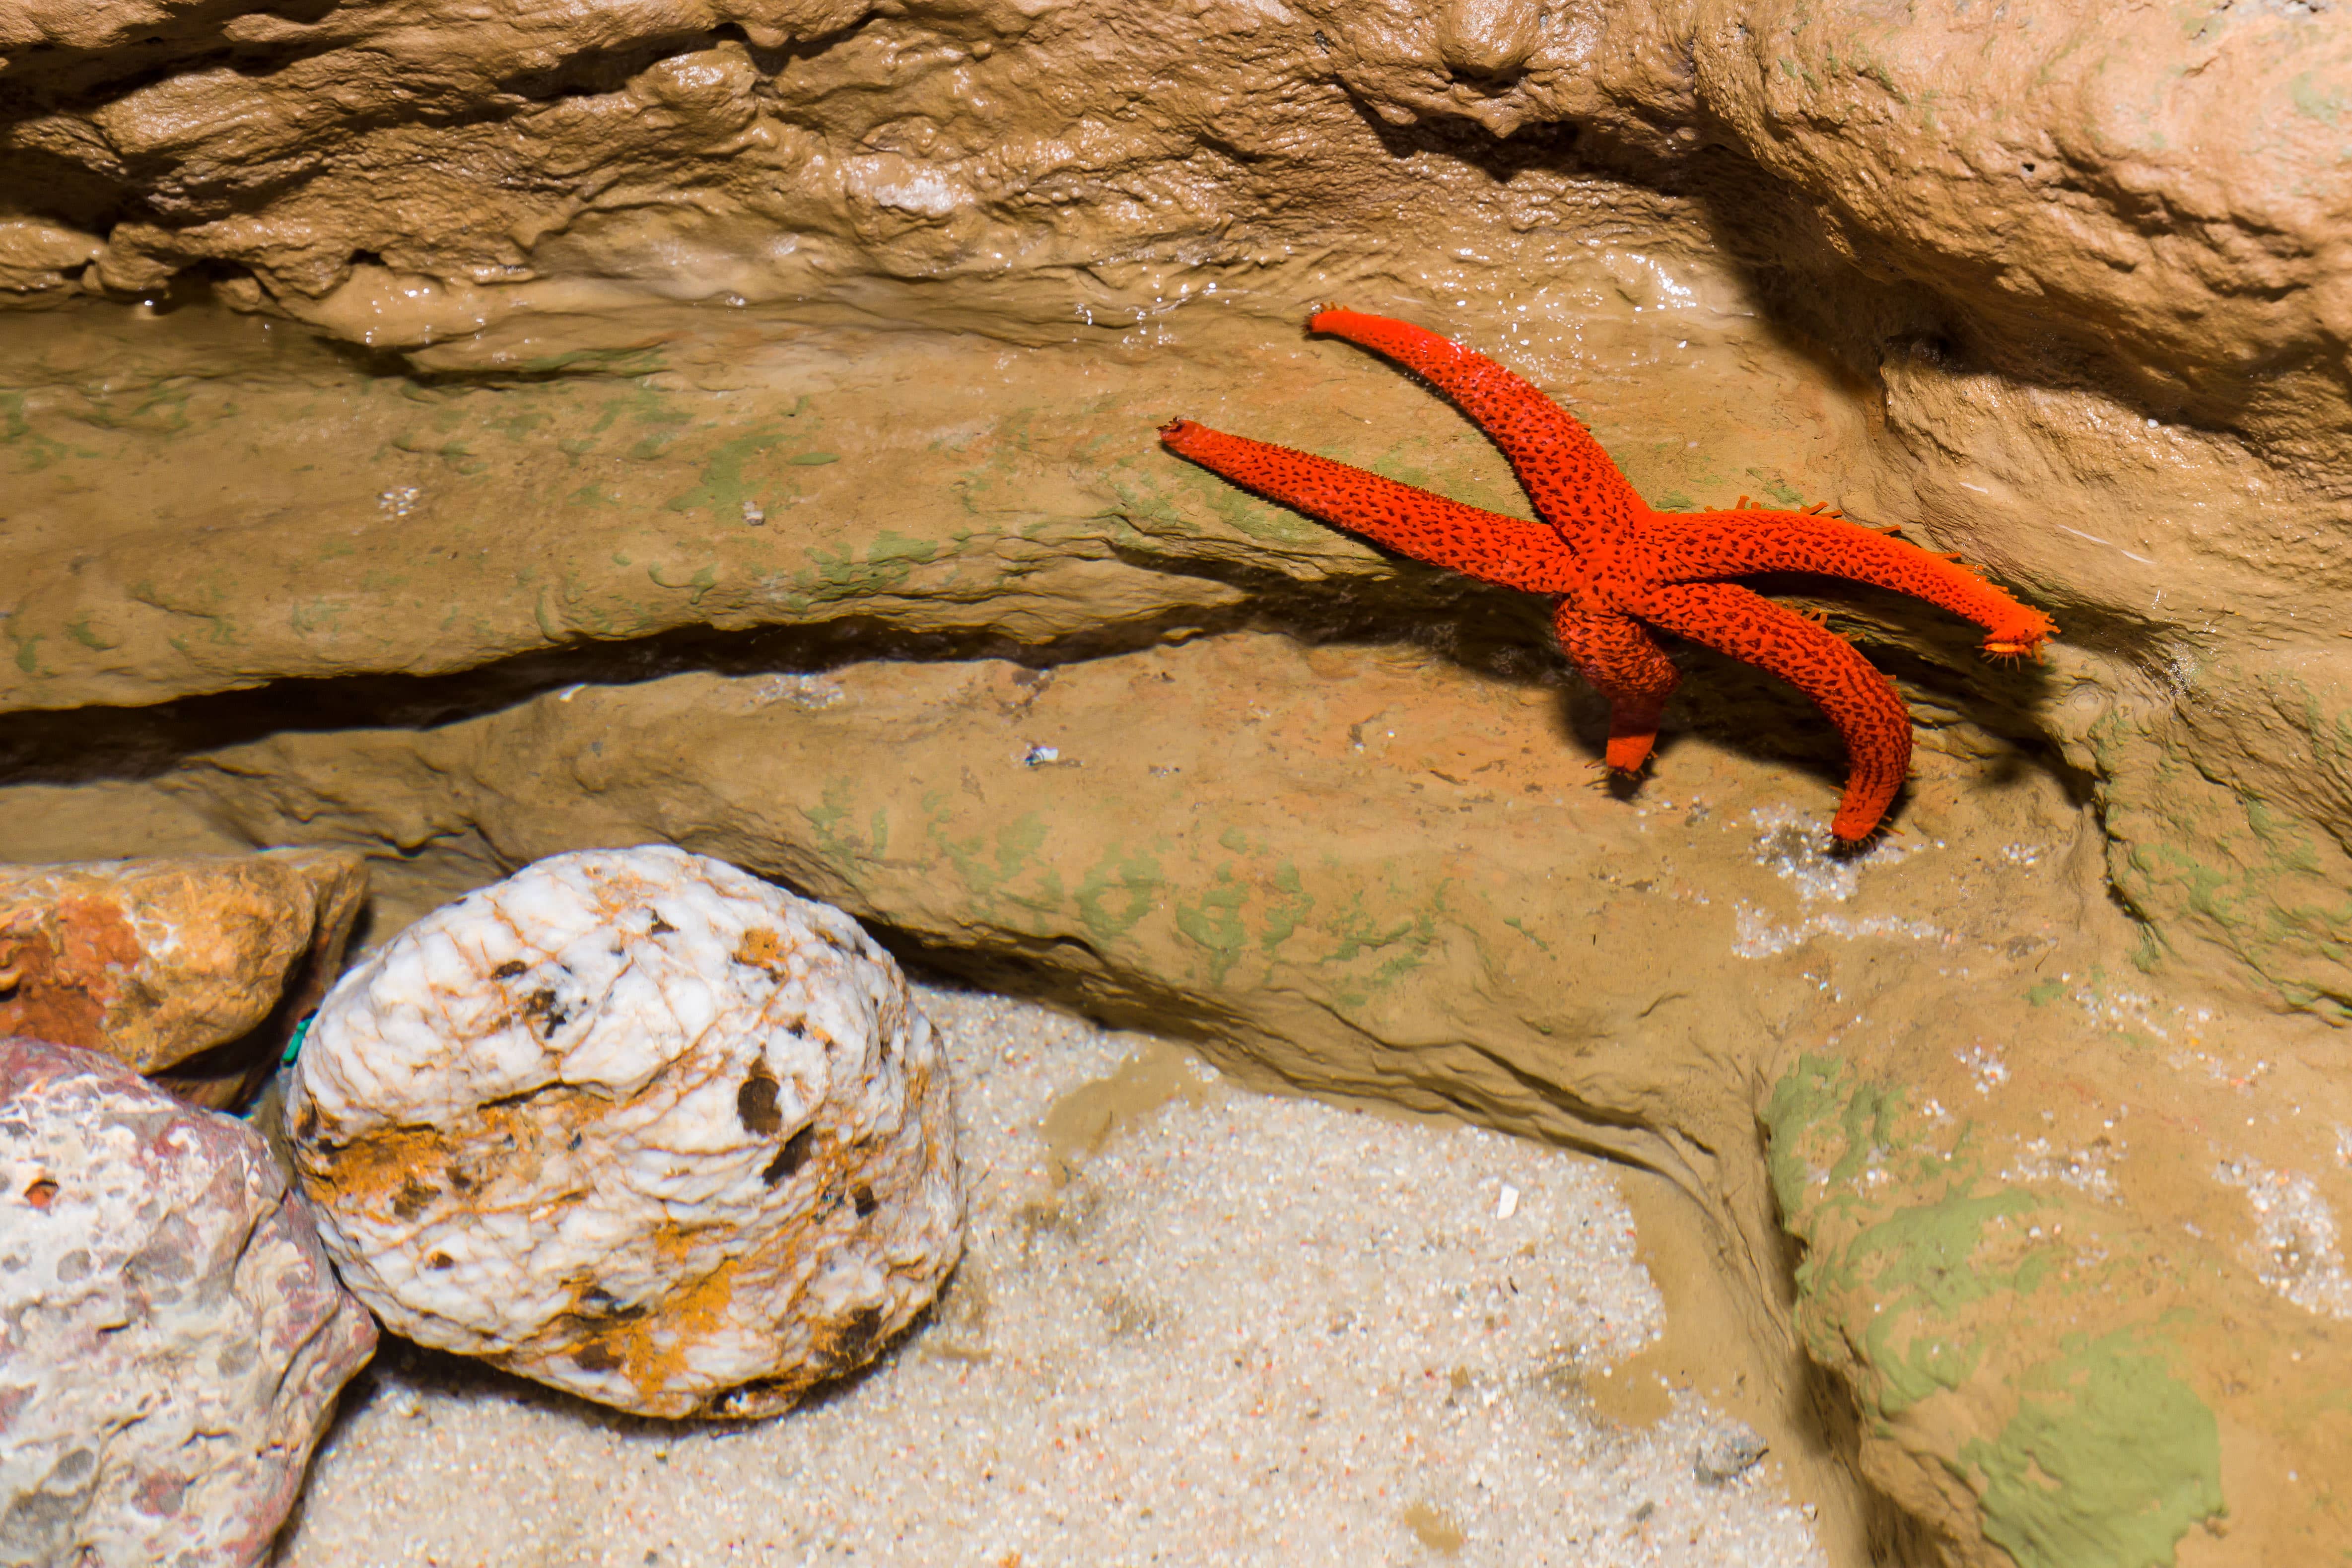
[
  {"x": 2299, "y": 1253},
  {"x": 1754, "y": 934},
  {"x": 1796, "y": 849},
  {"x": 2088, "y": 1169}
]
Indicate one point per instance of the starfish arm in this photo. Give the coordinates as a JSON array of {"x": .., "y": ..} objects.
[
  {"x": 1570, "y": 479},
  {"x": 1689, "y": 547},
  {"x": 1859, "y": 700},
  {"x": 1512, "y": 551},
  {"x": 1626, "y": 666}
]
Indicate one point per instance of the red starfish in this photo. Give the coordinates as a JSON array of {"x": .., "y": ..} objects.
[{"x": 1614, "y": 564}]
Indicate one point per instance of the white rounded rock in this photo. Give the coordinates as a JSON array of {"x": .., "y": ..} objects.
[{"x": 637, "y": 1124}]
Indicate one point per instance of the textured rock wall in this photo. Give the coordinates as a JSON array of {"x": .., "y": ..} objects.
[
  {"x": 2021, "y": 238},
  {"x": 671, "y": 338},
  {"x": 2067, "y": 1246},
  {"x": 2116, "y": 191}
]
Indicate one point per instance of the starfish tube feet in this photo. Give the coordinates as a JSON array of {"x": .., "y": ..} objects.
[{"x": 1861, "y": 702}]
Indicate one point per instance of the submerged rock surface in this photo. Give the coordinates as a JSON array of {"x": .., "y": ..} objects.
[
  {"x": 636, "y": 1124},
  {"x": 773, "y": 378},
  {"x": 172, "y": 1337}
]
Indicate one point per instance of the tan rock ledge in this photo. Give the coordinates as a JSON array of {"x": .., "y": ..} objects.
[{"x": 2029, "y": 1200}]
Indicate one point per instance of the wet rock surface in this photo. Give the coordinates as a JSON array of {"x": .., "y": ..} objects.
[
  {"x": 796, "y": 390},
  {"x": 193, "y": 971},
  {"x": 403, "y": 173},
  {"x": 638, "y": 1126},
  {"x": 172, "y": 1337},
  {"x": 1389, "y": 876}
]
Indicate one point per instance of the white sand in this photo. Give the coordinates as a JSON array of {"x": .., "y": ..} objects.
[{"x": 1246, "y": 1329}]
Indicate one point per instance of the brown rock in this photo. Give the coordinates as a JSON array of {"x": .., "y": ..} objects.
[
  {"x": 1980, "y": 280},
  {"x": 190, "y": 971},
  {"x": 2061, "y": 290},
  {"x": 2168, "y": 205},
  {"x": 1371, "y": 870}
]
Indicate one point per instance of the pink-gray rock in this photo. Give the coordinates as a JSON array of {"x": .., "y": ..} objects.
[
  {"x": 638, "y": 1124},
  {"x": 172, "y": 1335}
]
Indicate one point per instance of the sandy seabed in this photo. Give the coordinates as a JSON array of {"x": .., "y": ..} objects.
[{"x": 1194, "y": 1325}]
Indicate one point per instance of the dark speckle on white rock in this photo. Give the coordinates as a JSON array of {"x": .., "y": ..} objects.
[{"x": 637, "y": 1124}]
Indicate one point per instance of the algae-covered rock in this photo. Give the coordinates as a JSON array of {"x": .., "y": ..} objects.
[{"x": 1376, "y": 872}]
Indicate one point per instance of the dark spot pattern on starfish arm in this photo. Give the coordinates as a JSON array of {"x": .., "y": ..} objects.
[
  {"x": 1615, "y": 564},
  {"x": 1511, "y": 551},
  {"x": 1573, "y": 483}
]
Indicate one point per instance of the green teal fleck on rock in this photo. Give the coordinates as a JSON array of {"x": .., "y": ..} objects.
[{"x": 2108, "y": 1464}]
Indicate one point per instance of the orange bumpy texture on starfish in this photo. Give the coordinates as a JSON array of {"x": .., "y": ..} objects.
[{"x": 1617, "y": 567}]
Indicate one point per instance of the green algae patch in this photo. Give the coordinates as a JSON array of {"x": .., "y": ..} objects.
[
  {"x": 1903, "y": 1241},
  {"x": 1922, "y": 1265},
  {"x": 890, "y": 558},
  {"x": 1936, "y": 1290},
  {"x": 2237, "y": 859},
  {"x": 1811, "y": 1094},
  {"x": 1246, "y": 514},
  {"x": 1213, "y": 921},
  {"x": 2110, "y": 1459},
  {"x": 1776, "y": 487},
  {"x": 724, "y": 487},
  {"x": 1119, "y": 889}
]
